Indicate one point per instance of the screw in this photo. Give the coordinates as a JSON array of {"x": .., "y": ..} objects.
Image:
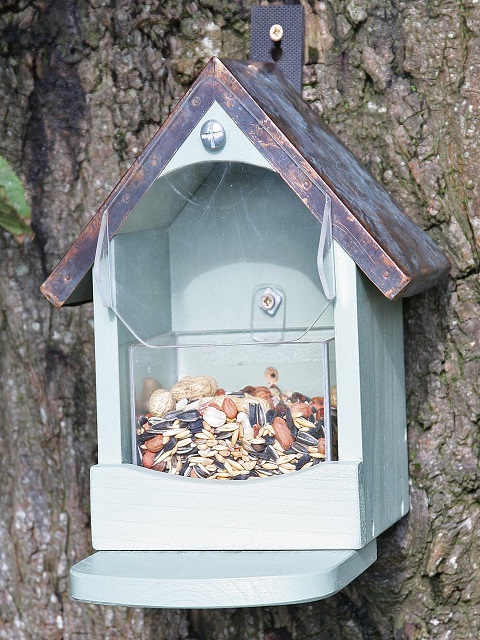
[
  {"x": 213, "y": 135},
  {"x": 267, "y": 301},
  {"x": 270, "y": 300},
  {"x": 276, "y": 32}
]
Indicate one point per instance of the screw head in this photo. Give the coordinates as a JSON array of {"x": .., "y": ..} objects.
[
  {"x": 276, "y": 32},
  {"x": 270, "y": 300},
  {"x": 267, "y": 301},
  {"x": 213, "y": 135}
]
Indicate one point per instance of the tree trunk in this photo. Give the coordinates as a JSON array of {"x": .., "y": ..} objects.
[{"x": 83, "y": 87}]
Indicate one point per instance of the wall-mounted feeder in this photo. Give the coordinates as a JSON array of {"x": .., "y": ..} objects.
[{"x": 249, "y": 355}]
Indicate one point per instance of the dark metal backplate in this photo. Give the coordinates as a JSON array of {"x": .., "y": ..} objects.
[{"x": 288, "y": 54}]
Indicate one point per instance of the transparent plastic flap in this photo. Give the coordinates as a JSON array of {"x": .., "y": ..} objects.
[
  {"x": 325, "y": 263},
  {"x": 202, "y": 243},
  {"x": 101, "y": 266}
]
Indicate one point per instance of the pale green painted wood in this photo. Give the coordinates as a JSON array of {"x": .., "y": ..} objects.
[
  {"x": 347, "y": 353},
  {"x": 238, "y": 147},
  {"x": 196, "y": 579},
  {"x": 107, "y": 367},
  {"x": 140, "y": 509},
  {"x": 112, "y": 340},
  {"x": 371, "y": 428},
  {"x": 371, "y": 393},
  {"x": 382, "y": 384},
  {"x": 141, "y": 273},
  {"x": 340, "y": 505},
  {"x": 158, "y": 207}
]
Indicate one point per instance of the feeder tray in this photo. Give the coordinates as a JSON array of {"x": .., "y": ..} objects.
[{"x": 215, "y": 579}]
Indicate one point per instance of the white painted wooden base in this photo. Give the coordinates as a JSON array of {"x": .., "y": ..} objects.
[{"x": 214, "y": 579}]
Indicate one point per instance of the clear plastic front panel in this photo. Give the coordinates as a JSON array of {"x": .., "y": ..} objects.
[
  {"x": 223, "y": 278},
  {"x": 234, "y": 412},
  {"x": 218, "y": 247}
]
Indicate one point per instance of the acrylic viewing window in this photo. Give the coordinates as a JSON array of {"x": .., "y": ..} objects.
[
  {"x": 251, "y": 427},
  {"x": 222, "y": 273}
]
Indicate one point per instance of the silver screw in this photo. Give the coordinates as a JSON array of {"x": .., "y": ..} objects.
[
  {"x": 270, "y": 300},
  {"x": 267, "y": 301},
  {"x": 276, "y": 32},
  {"x": 213, "y": 135}
]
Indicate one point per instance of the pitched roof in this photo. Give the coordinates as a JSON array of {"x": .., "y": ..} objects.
[{"x": 395, "y": 254}]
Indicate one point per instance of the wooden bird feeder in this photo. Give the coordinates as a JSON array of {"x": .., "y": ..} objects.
[{"x": 246, "y": 241}]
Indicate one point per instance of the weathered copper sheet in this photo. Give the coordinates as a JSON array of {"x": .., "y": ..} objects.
[{"x": 396, "y": 255}]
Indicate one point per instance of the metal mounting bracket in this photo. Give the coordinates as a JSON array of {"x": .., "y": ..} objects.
[{"x": 277, "y": 35}]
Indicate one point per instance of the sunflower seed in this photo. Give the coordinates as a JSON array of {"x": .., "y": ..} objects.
[
  {"x": 300, "y": 448},
  {"x": 271, "y": 452},
  {"x": 302, "y": 462},
  {"x": 201, "y": 471},
  {"x": 189, "y": 416},
  {"x": 172, "y": 415},
  {"x": 305, "y": 438},
  {"x": 185, "y": 451}
]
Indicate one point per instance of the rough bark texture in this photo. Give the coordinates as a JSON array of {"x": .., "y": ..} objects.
[{"x": 83, "y": 86}]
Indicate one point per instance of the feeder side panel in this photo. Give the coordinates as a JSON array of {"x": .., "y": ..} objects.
[
  {"x": 110, "y": 367},
  {"x": 350, "y": 441},
  {"x": 382, "y": 385}
]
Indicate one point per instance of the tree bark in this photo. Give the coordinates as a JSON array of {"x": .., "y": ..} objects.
[{"x": 83, "y": 87}]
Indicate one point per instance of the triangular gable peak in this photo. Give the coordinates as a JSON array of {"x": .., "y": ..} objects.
[{"x": 397, "y": 256}]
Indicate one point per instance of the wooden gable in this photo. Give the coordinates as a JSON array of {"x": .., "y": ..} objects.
[{"x": 394, "y": 253}]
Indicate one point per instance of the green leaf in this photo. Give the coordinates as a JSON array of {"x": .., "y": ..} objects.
[
  {"x": 14, "y": 209},
  {"x": 11, "y": 221}
]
